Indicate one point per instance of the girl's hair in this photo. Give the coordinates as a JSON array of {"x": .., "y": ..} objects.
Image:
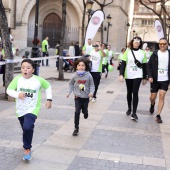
[
  {"x": 84, "y": 60},
  {"x": 131, "y": 42},
  {"x": 28, "y": 61},
  {"x": 123, "y": 49}
]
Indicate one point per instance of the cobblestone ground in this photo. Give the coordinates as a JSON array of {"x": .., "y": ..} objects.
[
  {"x": 108, "y": 139},
  {"x": 81, "y": 163}
]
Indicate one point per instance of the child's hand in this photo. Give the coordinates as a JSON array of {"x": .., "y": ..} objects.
[
  {"x": 121, "y": 78},
  {"x": 90, "y": 95},
  {"x": 21, "y": 95},
  {"x": 67, "y": 95},
  {"x": 48, "y": 104}
]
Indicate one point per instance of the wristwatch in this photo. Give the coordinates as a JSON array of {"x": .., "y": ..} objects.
[{"x": 49, "y": 100}]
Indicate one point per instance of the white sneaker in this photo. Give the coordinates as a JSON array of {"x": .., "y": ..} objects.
[
  {"x": 93, "y": 100},
  {"x": 90, "y": 98}
]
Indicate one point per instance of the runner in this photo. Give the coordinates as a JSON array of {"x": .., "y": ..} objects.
[
  {"x": 159, "y": 76},
  {"x": 133, "y": 68}
]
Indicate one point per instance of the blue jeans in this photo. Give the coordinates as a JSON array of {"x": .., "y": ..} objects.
[{"x": 27, "y": 123}]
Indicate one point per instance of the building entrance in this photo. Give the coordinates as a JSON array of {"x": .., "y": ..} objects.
[{"x": 52, "y": 29}]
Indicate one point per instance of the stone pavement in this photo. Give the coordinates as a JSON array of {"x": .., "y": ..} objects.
[{"x": 108, "y": 139}]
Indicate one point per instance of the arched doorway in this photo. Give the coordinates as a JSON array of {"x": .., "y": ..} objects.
[{"x": 52, "y": 29}]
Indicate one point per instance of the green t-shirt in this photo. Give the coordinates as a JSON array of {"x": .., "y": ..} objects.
[{"x": 44, "y": 43}]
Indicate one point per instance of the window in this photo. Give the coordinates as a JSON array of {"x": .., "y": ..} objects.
[{"x": 147, "y": 22}]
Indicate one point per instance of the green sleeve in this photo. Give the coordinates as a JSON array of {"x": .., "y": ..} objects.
[
  {"x": 44, "y": 83},
  {"x": 84, "y": 48},
  {"x": 124, "y": 58},
  {"x": 145, "y": 58},
  {"x": 101, "y": 53},
  {"x": 13, "y": 84}
]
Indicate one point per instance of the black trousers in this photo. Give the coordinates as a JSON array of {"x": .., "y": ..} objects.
[
  {"x": 96, "y": 78},
  {"x": 27, "y": 123},
  {"x": 132, "y": 92},
  {"x": 80, "y": 104},
  {"x": 45, "y": 55},
  {"x": 3, "y": 73}
]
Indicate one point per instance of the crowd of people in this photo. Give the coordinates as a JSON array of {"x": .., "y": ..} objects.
[{"x": 135, "y": 65}]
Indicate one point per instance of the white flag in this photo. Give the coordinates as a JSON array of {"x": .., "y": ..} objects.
[
  {"x": 159, "y": 29},
  {"x": 94, "y": 24}
]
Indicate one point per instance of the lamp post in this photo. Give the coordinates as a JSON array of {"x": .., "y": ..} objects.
[
  {"x": 134, "y": 33},
  {"x": 128, "y": 25},
  {"x": 35, "y": 41},
  {"x": 89, "y": 5},
  {"x": 144, "y": 34},
  {"x": 108, "y": 25}
]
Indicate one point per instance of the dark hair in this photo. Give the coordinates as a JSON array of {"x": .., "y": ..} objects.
[
  {"x": 163, "y": 39},
  {"x": 84, "y": 60},
  {"x": 131, "y": 42},
  {"x": 28, "y": 61}
]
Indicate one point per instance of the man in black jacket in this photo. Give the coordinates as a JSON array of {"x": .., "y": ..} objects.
[{"x": 159, "y": 76}]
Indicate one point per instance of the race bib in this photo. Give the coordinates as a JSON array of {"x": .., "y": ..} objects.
[
  {"x": 163, "y": 72},
  {"x": 94, "y": 58},
  {"x": 133, "y": 68}
]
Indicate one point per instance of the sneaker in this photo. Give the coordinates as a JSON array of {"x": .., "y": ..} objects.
[
  {"x": 90, "y": 98},
  {"x": 152, "y": 108},
  {"x": 128, "y": 112},
  {"x": 134, "y": 116},
  {"x": 27, "y": 154},
  {"x": 93, "y": 100},
  {"x": 76, "y": 132},
  {"x": 86, "y": 115},
  {"x": 158, "y": 119}
]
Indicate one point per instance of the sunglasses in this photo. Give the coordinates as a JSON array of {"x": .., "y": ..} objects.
[
  {"x": 162, "y": 43},
  {"x": 136, "y": 40}
]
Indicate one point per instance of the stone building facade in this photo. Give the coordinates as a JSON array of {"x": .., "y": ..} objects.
[{"x": 21, "y": 18}]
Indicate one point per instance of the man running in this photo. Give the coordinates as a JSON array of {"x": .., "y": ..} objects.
[{"x": 159, "y": 76}]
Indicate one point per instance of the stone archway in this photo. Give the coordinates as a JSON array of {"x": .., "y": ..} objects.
[{"x": 52, "y": 29}]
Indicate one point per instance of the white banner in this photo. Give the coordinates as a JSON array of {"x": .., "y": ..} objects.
[
  {"x": 159, "y": 29},
  {"x": 94, "y": 24}
]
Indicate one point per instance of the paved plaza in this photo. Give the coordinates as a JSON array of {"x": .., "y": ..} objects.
[{"x": 108, "y": 139}]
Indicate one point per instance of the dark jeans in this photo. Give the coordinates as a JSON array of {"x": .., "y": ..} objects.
[
  {"x": 45, "y": 55},
  {"x": 3, "y": 73},
  {"x": 96, "y": 78},
  {"x": 27, "y": 123},
  {"x": 80, "y": 104},
  {"x": 133, "y": 88}
]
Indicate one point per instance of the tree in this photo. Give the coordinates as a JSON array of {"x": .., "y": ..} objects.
[
  {"x": 102, "y": 6},
  {"x": 61, "y": 75},
  {"x": 161, "y": 13},
  {"x": 83, "y": 21},
  {"x": 9, "y": 71}
]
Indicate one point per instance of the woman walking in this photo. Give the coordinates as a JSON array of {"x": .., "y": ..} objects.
[{"x": 133, "y": 69}]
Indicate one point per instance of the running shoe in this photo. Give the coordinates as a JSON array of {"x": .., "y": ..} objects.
[
  {"x": 86, "y": 115},
  {"x": 158, "y": 119},
  {"x": 76, "y": 132},
  {"x": 27, "y": 154},
  {"x": 93, "y": 100},
  {"x": 134, "y": 116},
  {"x": 152, "y": 108},
  {"x": 128, "y": 112}
]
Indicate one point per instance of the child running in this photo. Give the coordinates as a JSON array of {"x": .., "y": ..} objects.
[
  {"x": 83, "y": 87},
  {"x": 26, "y": 88}
]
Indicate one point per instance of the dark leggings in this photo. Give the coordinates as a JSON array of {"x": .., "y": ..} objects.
[{"x": 133, "y": 88}]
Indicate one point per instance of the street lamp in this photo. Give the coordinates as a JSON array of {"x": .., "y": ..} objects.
[
  {"x": 89, "y": 5},
  {"x": 144, "y": 34},
  {"x": 35, "y": 41},
  {"x": 134, "y": 33},
  {"x": 128, "y": 25},
  {"x": 108, "y": 22}
]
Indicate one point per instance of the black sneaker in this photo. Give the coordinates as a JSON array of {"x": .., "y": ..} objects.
[
  {"x": 152, "y": 108},
  {"x": 134, "y": 116},
  {"x": 158, "y": 119},
  {"x": 128, "y": 112},
  {"x": 76, "y": 132},
  {"x": 86, "y": 115}
]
